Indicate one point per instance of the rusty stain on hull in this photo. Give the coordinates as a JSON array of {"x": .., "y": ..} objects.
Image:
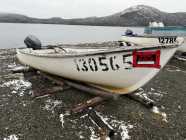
[{"x": 113, "y": 90}]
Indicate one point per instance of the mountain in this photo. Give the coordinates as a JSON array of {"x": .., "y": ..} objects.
[
  {"x": 9, "y": 17},
  {"x": 139, "y": 15}
]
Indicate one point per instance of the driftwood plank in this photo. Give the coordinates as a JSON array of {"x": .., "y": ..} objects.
[
  {"x": 104, "y": 94},
  {"x": 52, "y": 78},
  {"x": 95, "y": 91},
  {"x": 105, "y": 128},
  {"x": 85, "y": 105},
  {"x": 51, "y": 91},
  {"x": 144, "y": 101},
  {"x": 80, "y": 86},
  {"x": 23, "y": 69}
]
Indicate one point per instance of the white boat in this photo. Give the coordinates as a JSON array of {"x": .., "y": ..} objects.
[
  {"x": 144, "y": 40},
  {"x": 120, "y": 70},
  {"x": 162, "y": 30},
  {"x": 182, "y": 48}
]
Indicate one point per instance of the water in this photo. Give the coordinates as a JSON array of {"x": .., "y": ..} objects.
[{"x": 12, "y": 35}]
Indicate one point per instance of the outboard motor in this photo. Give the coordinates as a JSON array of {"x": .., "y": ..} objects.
[
  {"x": 32, "y": 42},
  {"x": 129, "y": 32}
]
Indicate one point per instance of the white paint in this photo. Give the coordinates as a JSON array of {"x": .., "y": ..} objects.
[
  {"x": 182, "y": 48},
  {"x": 72, "y": 50},
  {"x": 134, "y": 78},
  {"x": 11, "y": 137}
]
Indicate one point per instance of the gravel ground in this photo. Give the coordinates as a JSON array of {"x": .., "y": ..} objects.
[{"x": 26, "y": 118}]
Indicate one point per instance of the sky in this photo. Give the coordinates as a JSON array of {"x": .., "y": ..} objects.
[{"x": 83, "y": 8}]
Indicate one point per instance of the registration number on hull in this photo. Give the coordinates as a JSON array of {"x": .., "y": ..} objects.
[
  {"x": 167, "y": 40},
  {"x": 138, "y": 59},
  {"x": 101, "y": 63}
]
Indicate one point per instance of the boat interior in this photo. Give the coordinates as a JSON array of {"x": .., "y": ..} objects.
[
  {"x": 34, "y": 47},
  {"x": 66, "y": 51}
]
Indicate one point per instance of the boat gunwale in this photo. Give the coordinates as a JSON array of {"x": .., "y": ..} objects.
[
  {"x": 111, "y": 51},
  {"x": 150, "y": 36}
]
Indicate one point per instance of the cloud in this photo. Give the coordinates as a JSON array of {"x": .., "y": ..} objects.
[{"x": 83, "y": 8}]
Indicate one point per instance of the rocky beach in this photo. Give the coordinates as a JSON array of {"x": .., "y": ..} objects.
[{"x": 24, "y": 117}]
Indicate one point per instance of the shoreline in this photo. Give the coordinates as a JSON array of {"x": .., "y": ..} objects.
[{"x": 73, "y": 24}]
